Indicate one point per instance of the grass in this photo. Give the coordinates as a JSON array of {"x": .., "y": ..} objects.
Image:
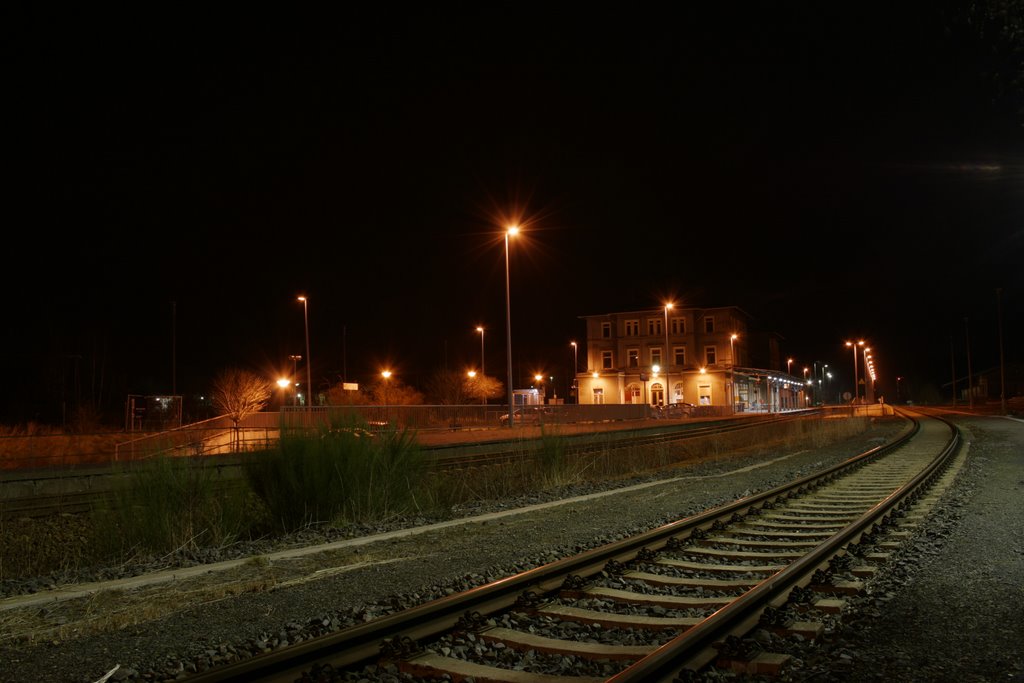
[
  {"x": 169, "y": 504},
  {"x": 343, "y": 475}
]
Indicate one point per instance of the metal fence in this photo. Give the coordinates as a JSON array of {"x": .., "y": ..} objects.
[{"x": 262, "y": 430}]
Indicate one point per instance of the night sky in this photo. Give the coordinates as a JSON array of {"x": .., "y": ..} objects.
[{"x": 180, "y": 179}]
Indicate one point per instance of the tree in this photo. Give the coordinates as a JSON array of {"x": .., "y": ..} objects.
[
  {"x": 447, "y": 388},
  {"x": 237, "y": 393},
  {"x": 393, "y": 392},
  {"x": 483, "y": 387},
  {"x": 338, "y": 395}
]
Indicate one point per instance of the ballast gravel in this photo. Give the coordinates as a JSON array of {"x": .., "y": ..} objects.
[{"x": 947, "y": 607}]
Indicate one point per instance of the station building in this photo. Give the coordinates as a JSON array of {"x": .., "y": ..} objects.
[{"x": 708, "y": 358}]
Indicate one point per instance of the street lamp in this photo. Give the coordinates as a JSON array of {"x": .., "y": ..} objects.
[
  {"x": 789, "y": 366},
  {"x": 472, "y": 376},
  {"x": 294, "y": 359},
  {"x": 856, "y": 389},
  {"x": 575, "y": 369},
  {"x": 283, "y": 383},
  {"x": 668, "y": 306},
  {"x": 386, "y": 374},
  {"x": 309, "y": 372},
  {"x": 512, "y": 231},
  {"x": 480, "y": 329},
  {"x": 732, "y": 349}
]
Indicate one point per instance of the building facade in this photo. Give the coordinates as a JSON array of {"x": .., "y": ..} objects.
[{"x": 669, "y": 355}]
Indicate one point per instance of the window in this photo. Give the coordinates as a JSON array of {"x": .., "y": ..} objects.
[
  {"x": 606, "y": 330},
  {"x": 709, "y": 324},
  {"x": 632, "y": 328},
  {"x": 634, "y": 358},
  {"x": 654, "y": 327},
  {"x": 656, "y": 356},
  {"x": 678, "y": 325},
  {"x": 704, "y": 394},
  {"x": 606, "y": 360},
  {"x": 709, "y": 355},
  {"x": 598, "y": 395},
  {"x": 633, "y": 393},
  {"x": 680, "y": 354},
  {"x": 678, "y": 391}
]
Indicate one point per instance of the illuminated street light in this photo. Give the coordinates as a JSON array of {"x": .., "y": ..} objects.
[
  {"x": 789, "y": 366},
  {"x": 856, "y": 389},
  {"x": 512, "y": 231},
  {"x": 309, "y": 359},
  {"x": 480, "y": 329},
  {"x": 668, "y": 307},
  {"x": 576, "y": 369},
  {"x": 294, "y": 359},
  {"x": 284, "y": 384},
  {"x": 732, "y": 349},
  {"x": 386, "y": 374}
]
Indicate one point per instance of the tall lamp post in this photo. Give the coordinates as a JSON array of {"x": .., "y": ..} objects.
[
  {"x": 856, "y": 390},
  {"x": 575, "y": 369},
  {"x": 480, "y": 329},
  {"x": 512, "y": 231},
  {"x": 668, "y": 306},
  {"x": 789, "y": 366},
  {"x": 309, "y": 372},
  {"x": 294, "y": 359}
]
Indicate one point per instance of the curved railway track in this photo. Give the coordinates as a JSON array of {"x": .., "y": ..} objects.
[{"x": 660, "y": 606}]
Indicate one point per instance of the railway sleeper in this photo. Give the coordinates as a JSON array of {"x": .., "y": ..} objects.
[
  {"x": 433, "y": 665},
  {"x": 745, "y": 656},
  {"x": 616, "y": 620},
  {"x": 634, "y": 598}
]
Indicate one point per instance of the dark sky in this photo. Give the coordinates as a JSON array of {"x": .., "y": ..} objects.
[{"x": 836, "y": 175}]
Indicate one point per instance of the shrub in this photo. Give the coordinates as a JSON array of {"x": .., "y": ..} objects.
[
  {"x": 345, "y": 473},
  {"x": 167, "y": 504}
]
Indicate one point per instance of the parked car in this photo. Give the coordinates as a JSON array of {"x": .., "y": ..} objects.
[
  {"x": 527, "y": 415},
  {"x": 675, "y": 410}
]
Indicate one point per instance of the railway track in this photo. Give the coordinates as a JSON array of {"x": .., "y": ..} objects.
[
  {"x": 660, "y": 606},
  {"x": 80, "y": 492}
]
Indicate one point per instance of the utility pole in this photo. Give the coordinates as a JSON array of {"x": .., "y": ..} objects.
[
  {"x": 1002, "y": 367},
  {"x": 952, "y": 360},
  {"x": 174, "y": 348},
  {"x": 970, "y": 390}
]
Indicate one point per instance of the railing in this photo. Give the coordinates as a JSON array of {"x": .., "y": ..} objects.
[{"x": 262, "y": 430}]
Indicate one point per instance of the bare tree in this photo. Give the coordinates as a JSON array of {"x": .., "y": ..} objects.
[
  {"x": 483, "y": 387},
  {"x": 237, "y": 393},
  {"x": 393, "y": 392}
]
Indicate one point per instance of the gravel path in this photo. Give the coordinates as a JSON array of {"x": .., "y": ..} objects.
[{"x": 951, "y": 574}]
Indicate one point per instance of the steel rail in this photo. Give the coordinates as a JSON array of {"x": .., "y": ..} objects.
[
  {"x": 363, "y": 642},
  {"x": 693, "y": 648}
]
